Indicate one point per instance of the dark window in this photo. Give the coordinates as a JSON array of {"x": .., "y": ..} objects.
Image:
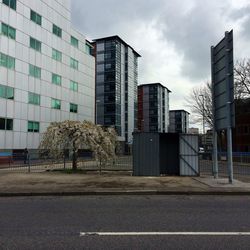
[
  {"x": 33, "y": 126},
  {"x": 10, "y": 3},
  {"x": 57, "y": 31},
  {"x": 6, "y": 124},
  {"x": 2, "y": 124},
  {"x": 35, "y": 44},
  {"x": 9, "y": 124},
  {"x": 73, "y": 108},
  {"x": 35, "y": 17}
]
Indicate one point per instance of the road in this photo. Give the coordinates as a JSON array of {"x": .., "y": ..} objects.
[{"x": 57, "y": 222}]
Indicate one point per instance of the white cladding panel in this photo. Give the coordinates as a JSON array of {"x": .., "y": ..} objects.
[{"x": 53, "y": 12}]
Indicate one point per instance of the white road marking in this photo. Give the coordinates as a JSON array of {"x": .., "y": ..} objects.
[{"x": 164, "y": 233}]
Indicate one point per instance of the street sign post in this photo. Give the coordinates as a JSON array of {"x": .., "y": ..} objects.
[{"x": 222, "y": 69}]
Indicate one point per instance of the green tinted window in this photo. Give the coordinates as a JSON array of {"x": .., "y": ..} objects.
[
  {"x": 10, "y": 3},
  {"x": 11, "y": 62},
  {"x": 9, "y": 93},
  {"x": 74, "y": 86},
  {"x": 2, "y": 91},
  {"x": 56, "y": 79},
  {"x": 12, "y": 33},
  {"x": 35, "y": 44},
  {"x": 88, "y": 49},
  {"x": 33, "y": 126},
  {"x": 74, "y": 42},
  {"x": 35, "y": 71},
  {"x": 34, "y": 98},
  {"x": 55, "y": 104},
  {"x": 57, "y": 31},
  {"x": 6, "y": 92},
  {"x": 35, "y": 17},
  {"x": 7, "y": 61},
  {"x": 73, "y": 63},
  {"x": 73, "y": 108},
  {"x": 8, "y": 31},
  {"x": 57, "y": 55},
  {"x": 4, "y": 29}
]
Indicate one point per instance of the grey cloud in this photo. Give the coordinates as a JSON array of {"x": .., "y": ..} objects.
[
  {"x": 191, "y": 26},
  {"x": 101, "y": 18},
  {"x": 245, "y": 28},
  {"x": 192, "y": 34}
]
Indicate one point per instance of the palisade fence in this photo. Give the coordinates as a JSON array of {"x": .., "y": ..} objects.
[{"x": 35, "y": 161}]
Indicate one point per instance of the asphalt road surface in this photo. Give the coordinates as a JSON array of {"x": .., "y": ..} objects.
[{"x": 125, "y": 222}]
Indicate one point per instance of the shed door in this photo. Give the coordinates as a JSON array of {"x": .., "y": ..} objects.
[{"x": 189, "y": 155}]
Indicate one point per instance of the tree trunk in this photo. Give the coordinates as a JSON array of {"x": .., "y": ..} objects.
[{"x": 74, "y": 160}]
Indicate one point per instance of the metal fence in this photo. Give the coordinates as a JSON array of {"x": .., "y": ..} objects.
[
  {"x": 34, "y": 161},
  {"x": 241, "y": 165}
]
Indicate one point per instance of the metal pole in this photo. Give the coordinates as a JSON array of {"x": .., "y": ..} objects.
[
  {"x": 215, "y": 135},
  {"x": 28, "y": 163},
  {"x": 229, "y": 112},
  {"x": 229, "y": 154},
  {"x": 215, "y": 154}
]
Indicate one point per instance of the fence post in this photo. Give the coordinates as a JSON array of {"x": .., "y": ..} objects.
[
  {"x": 64, "y": 163},
  {"x": 28, "y": 162},
  {"x": 100, "y": 167}
]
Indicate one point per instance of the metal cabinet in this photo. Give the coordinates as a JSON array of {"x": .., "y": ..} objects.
[{"x": 156, "y": 154}]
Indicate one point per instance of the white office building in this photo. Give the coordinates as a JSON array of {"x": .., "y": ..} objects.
[{"x": 47, "y": 72}]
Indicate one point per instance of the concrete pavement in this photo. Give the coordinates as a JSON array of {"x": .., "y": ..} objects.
[{"x": 54, "y": 183}]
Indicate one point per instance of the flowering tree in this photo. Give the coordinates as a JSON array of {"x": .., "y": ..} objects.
[{"x": 75, "y": 135}]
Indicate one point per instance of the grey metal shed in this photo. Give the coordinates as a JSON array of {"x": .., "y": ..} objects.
[{"x": 156, "y": 154}]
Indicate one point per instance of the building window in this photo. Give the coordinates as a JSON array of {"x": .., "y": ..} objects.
[
  {"x": 33, "y": 127},
  {"x": 35, "y": 44},
  {"x": 56, "y": 79},
  {"x": 8, "y": 31},
  {"x": 73, "y": 63},
  {"x": 88, "y": 49},
  {"x": 74, "y": 86},
  {"x": 7, "y": 61},
  {"x": 34, "y": 98},
  {"x": 35, "y": 17},
  {"x": 10, "y": 3},
  {"x": 6, "y": 124},
  {"x": 57, "y": 55},
  {"x": 57, "y": 31},
  {"x": 55, "y": 104},
  {"x": 6, "y": 92},
  {"x": 73, "y": 108},
  {"x": 35, "y": 71},
  {"x": 74, "y": 42}
]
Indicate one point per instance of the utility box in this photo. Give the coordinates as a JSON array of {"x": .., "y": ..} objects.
[{"x": 156, "y": 154}]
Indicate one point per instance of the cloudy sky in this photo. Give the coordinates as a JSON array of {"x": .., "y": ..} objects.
[{"x": 173, "y": 36}]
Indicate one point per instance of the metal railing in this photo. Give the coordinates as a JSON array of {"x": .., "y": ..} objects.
[
  {"x": 241, "y": 165},
  {"x": 34, "y": 161}
]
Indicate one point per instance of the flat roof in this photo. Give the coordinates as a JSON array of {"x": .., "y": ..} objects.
[
  {"x": 155, "y": 83},
  {"x": 176, "y": 110},
  {"x": 118, "y": 38}
]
